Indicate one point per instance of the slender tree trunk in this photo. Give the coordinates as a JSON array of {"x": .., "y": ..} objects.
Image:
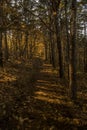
[
  {"x": 55, "y": 7},
  {"x": 72, "y": 65},
  {"x": 61, "y": 73},
  {"x": 25, "y": 51},
  {"x": 46, "y": 51},
  {"x": 1, "y": 54},
  {"x": 59, "y": 46},
  {"x": 1, "y": 30},
  {"x": 30, "y": 51},
  {"x": 85, "y": 49},
  {"x": 52, "y": 50},
  {"x": 67, "y": 35},
  {"x": 51, "y": 37},
  {"x": 50, "y": 56},
  {"x": 6, "y": 47}
]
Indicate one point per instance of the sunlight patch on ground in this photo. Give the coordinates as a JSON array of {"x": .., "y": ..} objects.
[
  {"x": 41, "y": 93},
  {"x": 42, "y": 87},
  {"x": 47, "y": 71},
  {"x": 7, "y": 78},
  {"x": 57, "y": 100},
  {"x": 48, "y": 83},
  {"x": 50, "y": 95},
  {"x": 47, "y": 87},
  {"x": 47, "y": 65},
  {"x": 43, "y": 81},
  {"x": 52, "y": 98}
]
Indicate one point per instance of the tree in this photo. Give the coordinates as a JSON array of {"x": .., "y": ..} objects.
[
  {"x": 67, "y": 32},
  {"x": 56, "y": 5},
  {"x": 72, "y": 64},
  {"x": 1, "y": 30}
]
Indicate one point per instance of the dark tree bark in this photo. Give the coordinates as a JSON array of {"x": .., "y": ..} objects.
[
  {"x": 1, "y": 30},
  {"x": 85, "y": 48},
  {"x": 46, "y": 52},
  {"x": 58, "y": 39},
  {"x": 67, "y": 34},
  {"x": 25, "y": 50},
  {"x": 72, "y": 64},
  {"x": 1, "y": 54},
  {"x": 6, "y": 46},
  {"x": 51, "y": 36}
]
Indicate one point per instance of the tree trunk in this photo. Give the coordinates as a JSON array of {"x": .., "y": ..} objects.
[
  {"x": 67, "y": 35},
  {"x": 59, "y": 46},
  {"x": 72, "y": 64},
  {"x": 85, "y": 49},
  {"x": 51, "y": 37},
  {"x": 1, "y": 30},
  {"x": 46, "y": 51},
  {"x": 1, "y": 54},
  {"x": 52, "y": 50},
  {"x": 6, "y": 47}
]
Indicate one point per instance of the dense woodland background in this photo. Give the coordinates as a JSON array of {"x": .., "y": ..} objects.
[{"x": 47, "y": 33}]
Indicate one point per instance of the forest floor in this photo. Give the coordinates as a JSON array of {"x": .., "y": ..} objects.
[{"x": 32, "y": 97}]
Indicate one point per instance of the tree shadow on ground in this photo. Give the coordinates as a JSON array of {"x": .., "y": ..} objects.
[{"x": 40, "y": 104}]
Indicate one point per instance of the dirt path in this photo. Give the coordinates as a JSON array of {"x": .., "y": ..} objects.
[{"x": 39, "y": 103}]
